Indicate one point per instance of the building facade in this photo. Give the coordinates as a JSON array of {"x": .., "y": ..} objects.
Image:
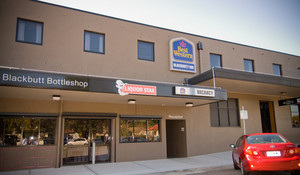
[{"x": 78, "y": 87}]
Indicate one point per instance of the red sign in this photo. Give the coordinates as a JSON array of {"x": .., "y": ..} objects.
[{"x": 125, "y": 89}]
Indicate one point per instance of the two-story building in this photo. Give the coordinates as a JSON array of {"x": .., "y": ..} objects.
[{"x": 78, "y": 87}]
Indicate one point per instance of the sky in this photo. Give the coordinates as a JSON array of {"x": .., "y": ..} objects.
[{"x": 268, "y": 24}]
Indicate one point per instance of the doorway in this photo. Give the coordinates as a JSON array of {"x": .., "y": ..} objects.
[
  {"x": 267, "y": 117},
  {"x": 79, "y": 135},
  {"x": 176, "y": 138}
]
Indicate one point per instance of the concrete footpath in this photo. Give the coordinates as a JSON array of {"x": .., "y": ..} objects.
[{"x": 188, "y": 165}]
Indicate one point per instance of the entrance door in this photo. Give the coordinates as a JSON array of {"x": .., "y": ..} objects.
[
  {"x": 176, "y": 138},
  {"x": 78, "y": 137},
  {"x": 267, "y": 117}
]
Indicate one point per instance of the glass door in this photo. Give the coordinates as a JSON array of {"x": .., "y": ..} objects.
[{"x": 79, "y": 135}]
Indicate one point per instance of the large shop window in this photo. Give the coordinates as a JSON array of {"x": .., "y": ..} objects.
[
  {"x": 225, "y": 113},
  {"x": 139, "y": 130},
  {"x": 23, "y": 131},
  {"x": 29, "y": 31},
  {"x": 295, "y": 111},
  {"x": 93, "y": 42}
]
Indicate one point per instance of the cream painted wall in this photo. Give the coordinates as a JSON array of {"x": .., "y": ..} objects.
[{"x": 63, "y": 39}]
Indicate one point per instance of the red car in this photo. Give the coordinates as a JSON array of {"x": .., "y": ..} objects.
[{"x": 265, "y": 152}]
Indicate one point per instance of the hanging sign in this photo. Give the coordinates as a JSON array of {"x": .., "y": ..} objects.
[
  {"x": 193, "y": 91},
  {"x": 126, "y": 89},
  {"x": 182, "y": 55}
]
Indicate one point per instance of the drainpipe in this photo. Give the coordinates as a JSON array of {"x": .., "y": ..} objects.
[
  {"x": 200, "y": 47},
  {"x": 214, "y": 80}
]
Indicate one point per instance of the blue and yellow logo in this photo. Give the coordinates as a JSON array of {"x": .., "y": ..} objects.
[{"x": 183, "y": 51}]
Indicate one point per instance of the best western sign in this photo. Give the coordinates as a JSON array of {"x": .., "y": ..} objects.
[{"x": 182, "y": 55}]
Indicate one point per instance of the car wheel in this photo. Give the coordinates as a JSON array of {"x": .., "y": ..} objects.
[
  {"x": 243, "y": 171},
  {"x": 235, "y": 165},
  {"x": 295, "y": 172}
]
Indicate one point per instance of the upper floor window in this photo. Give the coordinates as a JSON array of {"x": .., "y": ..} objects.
[
  {"x": 248, "y": 65},
  {"x": 29, "y": 31},
  {"x": 215, "y": 60},
  {"x": 145, "y": 51},
  {"x": 93, "y": 42},
  {"x": 277, "y": 70}
]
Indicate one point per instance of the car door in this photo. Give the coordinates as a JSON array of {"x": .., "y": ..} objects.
[{"x": 238, "y": 149}]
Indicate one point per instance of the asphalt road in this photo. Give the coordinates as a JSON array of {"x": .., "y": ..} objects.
[{"x": 230, "y": 171}]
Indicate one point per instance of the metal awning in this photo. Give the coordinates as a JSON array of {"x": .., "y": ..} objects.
[{"x": 237, "y": 81}]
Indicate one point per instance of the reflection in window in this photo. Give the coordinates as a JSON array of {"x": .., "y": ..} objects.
[
  {"x": 30, "y": 132},
  {"x": 139, "y": 131},
  {"x": 153, "y": 131},
  {"x": 295, "y": 111},
  {"x": 100, "y": 131},
  {"x": 36, "y": 131},
  {"x": 47, "y": 131},
  {"x": 11, "y": 129},
  {"x": 126, "y": 134}
]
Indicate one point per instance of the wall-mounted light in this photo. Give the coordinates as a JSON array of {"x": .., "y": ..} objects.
[
  {"x": 56, "y": 97},
  {"x": 131, "y": 101},
  {"x": 189, "y": 104}
]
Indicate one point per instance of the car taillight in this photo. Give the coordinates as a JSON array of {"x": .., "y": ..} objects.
[
  {"x": 252, "y": 152},
  {"x": 293, "y": 151}
]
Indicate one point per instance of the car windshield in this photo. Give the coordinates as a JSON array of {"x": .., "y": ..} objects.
[{"x": 258, "y": 139}]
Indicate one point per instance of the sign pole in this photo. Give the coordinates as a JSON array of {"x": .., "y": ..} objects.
[{"x": 244, "y": 116}]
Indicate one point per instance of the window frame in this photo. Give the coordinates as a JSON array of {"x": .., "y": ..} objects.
[
  {"x": 218, "y": 108},
  {"x": 153, "y": 51},
  {"x": 252, "y": 65},
  {"x": 39, "y": 130},
  {"x": 30, "y": 21},
  {"x": 220, "y": 60},
  {"x": 133, "y": 120},
  {"x": 280, "y": 69},
  {"x": 85, "y": 41}
]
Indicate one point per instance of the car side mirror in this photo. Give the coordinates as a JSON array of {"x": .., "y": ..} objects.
[{"x": 232, "y": 146}]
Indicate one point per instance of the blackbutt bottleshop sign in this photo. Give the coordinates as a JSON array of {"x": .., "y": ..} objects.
[
  {"x": 182, "y": 55},
  {"x": 26, "y": 78}
]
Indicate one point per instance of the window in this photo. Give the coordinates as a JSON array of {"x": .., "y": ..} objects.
[
  {"x": 295, "y": 112},
  {"x": 248, "y": 65},
  {"x": 215, "y": 60},
  {"x": 94, "y": 42},
  {"x": 29, "y": 31},
  {"x": 23, "y": 131},
  {"x": 145, "y": 51},
  {"x": 277, "y": 70},
  {"x": 225, "y": 113},
  {"x": 139, "y": 130}
]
